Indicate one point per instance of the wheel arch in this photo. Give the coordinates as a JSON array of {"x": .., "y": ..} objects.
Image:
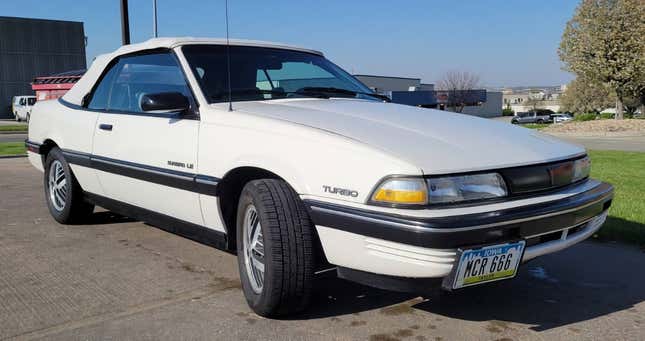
[
  {"x": 47, "y": 145},
  {"x": 229, "y": 190}
]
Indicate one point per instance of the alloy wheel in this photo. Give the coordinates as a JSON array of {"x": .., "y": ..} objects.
[
  {"x": 58, "y": 188},
  {"x": 253, "y": 249}
]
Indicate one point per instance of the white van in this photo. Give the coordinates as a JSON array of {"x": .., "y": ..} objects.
[{"x": 21, "y": 107}]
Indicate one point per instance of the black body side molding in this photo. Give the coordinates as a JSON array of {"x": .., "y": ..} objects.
[
  {"x": 173, "y": 225},
  {"x": 198, "y": 183}
]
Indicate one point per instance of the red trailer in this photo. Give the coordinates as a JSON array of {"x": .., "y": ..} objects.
[{"x": 55, "y": 86}]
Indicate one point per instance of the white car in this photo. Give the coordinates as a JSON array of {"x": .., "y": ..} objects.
[
  {"x": 561, "y": 118},
  {"x": 301, "y": 168},
  {"x": 21, "y": 107}
]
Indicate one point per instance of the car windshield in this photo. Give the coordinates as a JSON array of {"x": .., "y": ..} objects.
[{"x": 259, "y": 73}]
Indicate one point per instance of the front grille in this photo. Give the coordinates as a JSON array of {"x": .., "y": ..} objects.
[
  {"x": 554, "y": 235},
  {"x": 544, "y": 238},
  {"x": 535, "y": 178}
]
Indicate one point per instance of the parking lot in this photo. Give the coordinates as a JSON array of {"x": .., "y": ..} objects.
[{"x": 121, "y": 279}]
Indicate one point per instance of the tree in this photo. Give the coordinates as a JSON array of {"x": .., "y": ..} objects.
[
  {"x": 459, "y": 87},
  {"x": 585, "y": 96},
  {"x": 603, "y": 43},
  {"x": 508, "y": 111},
  {"x": 532, "y": 102}
]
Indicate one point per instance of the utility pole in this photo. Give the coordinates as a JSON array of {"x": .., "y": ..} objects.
[
  {"x": 154, "y": 18},
  {"x": 125, "y": 23}
]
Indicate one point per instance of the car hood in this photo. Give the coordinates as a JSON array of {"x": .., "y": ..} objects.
[{"x": 438, "y": 142}]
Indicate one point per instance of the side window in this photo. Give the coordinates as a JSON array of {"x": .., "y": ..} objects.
[
  {"x": 22, "y": 101},
  {"x": 137, "y": 76},
  {"x": 31, "y": 100},
  {"x": 101, "y": 94}
]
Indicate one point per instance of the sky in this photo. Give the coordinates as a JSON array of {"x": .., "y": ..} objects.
[{"x": 507, "y": 43}]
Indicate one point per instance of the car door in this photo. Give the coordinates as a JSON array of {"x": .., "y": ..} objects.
[
  {"x": 145, "y": 158},
  {"x": 531, "y": 117},
  {"x": 21, "y": 108}
]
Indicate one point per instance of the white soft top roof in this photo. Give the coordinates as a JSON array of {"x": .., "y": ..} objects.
[{"x": 83, "y": 86}]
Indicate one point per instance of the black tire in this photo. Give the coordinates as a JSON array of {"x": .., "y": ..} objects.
[
  {"x": 514, "y": 122},
  {"x": 287, "y": 234},
  {"x": 540, "y": 121},
  {"x": 28, "y": 117},
  {"x": 75, "y": 209}
]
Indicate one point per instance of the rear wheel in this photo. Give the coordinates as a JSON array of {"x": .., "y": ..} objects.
[
  {"x": 540, "y": 121},
  {"x": 63, "y": 193},
  {"x": 274, "y": 248}
]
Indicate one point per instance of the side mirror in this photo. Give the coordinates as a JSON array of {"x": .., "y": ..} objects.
[{"x": 164, "y": 102}]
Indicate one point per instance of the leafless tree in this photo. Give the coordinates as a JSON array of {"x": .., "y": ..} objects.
[
  {"x": 532, "y": 102},
  {"x": 458, "y": 86}
]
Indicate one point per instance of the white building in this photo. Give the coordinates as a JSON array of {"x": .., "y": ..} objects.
[{"x": 522, "y": 100}]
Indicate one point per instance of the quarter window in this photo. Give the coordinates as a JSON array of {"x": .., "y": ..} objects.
[{"x": 101, "y": 94}]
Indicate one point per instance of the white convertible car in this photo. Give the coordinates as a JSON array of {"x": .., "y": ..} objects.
[{"x": 277, "y": 153}]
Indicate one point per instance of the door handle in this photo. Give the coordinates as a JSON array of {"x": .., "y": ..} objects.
[{"x": 105, "y": 127}]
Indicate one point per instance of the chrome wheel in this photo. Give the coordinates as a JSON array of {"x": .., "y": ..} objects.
[
  {"x": 253, "y": 249},
  {"x": 57, "y": 185}
]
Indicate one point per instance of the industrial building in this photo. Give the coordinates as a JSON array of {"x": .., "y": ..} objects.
[
  {"x": 411, "y": 91},
  {"x": 30, "y": 48},
  {"x": 387, "y": 83}
]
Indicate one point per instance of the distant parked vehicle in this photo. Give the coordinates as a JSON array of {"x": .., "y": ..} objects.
[
  {"x": 21, "y": 107},
  {"x": 561, "y": 118},
  {"x": 534, "y": 116}
]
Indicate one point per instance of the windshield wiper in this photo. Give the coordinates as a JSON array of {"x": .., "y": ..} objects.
[
  {"x": 315, "y": 92},
  {"x": 333, "y": 90},
  {"x": 224, "y": 95}
]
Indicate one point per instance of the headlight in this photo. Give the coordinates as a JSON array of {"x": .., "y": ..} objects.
[
  {"x": 581, "y": 168},
  {"x": 401, "y": 191},
  {"x": 465, "y": 188}
]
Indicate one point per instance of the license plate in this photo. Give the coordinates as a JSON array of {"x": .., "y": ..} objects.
[{"x": 486, "y": 264}]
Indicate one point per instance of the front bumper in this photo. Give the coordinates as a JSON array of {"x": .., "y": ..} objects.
[{"x": 425, "y": 247}]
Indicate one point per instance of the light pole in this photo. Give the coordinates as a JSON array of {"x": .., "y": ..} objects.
[
  {"x": 154, "y": 18},
  {"x": 125, "y": 23}
]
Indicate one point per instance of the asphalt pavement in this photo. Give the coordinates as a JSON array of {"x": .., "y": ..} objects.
[
  {"x": 625, "y": 143},
  {"x": 115, "y": 278},
  {"x": 13, "y": 137},
  {"x": 635, "y": 143},
  {"x": 11, "y": 121}
]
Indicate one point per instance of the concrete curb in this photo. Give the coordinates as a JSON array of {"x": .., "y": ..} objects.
[
  {"x": 581, "y": 135},
  {"x": 12, "y": 156},
  {"x": 22, "y": 132}
]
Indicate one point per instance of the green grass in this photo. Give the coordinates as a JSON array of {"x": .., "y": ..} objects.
[
  {"x": 626, "y": 171},
  {"x": 14, "y": 127},
  {"x": 12, "y": 148},
  {"x": 537, "y": 126}
]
